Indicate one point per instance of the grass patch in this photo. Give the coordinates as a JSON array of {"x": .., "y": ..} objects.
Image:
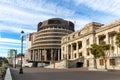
[{"x": 2, "y": 68}]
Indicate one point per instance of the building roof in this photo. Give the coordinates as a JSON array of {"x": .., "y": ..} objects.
[{"x": 55, "y": 21}]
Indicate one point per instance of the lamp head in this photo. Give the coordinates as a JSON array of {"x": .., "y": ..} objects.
[{"x": 22, "y": 33}]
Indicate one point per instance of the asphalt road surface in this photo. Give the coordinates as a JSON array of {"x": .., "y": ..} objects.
[{"x": 68, "y": 74}]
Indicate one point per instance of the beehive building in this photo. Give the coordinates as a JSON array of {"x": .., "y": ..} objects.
[{"x": 47, "y": 44}]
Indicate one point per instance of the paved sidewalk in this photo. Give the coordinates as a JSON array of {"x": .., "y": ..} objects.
[
  {"x": 29, "y": 71},
  {"x": 8, "y": 75},
  {"x": 63, "y": 74},
  {"x": 1, "y": 78},
  {"x": 15, "y": 74}
]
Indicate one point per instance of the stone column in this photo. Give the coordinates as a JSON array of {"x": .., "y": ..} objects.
[
  {"x": 58, "y": 54},
  {"x": 30, "y": 55},
  {"x": 51, "y": 54},
  {"x": 107, "y": 39},
  {"x": 33, "y": 55},
  {"x": 45, "y": 54},
  {"x": 97, "y": 40},
  {"x": 66, "y": 52},
  {"x": 77, "y": 50},
  {"x": 42, "y": 58},
  {"x": 38, "y": 55},
  {"x": 71, "y": 51},
  {"x": 41, "y": 54}
]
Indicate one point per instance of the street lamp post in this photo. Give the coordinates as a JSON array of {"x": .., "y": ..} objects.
[
  {"x": 54, "y": 56},
  {"x": 22, "y": 35}
]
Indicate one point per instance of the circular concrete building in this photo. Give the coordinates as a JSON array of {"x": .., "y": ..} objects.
[{"x": 47, "y": 43}]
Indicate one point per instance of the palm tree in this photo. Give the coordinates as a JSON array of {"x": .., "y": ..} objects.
[
  {"x": 118, "y": 40},
  {"x": 95, "y": 51}
]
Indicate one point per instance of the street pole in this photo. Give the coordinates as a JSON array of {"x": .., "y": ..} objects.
[
  {"x": 15, "y": 53},
  {"x": 22, "y": 35},
  {"x": 54, "y": 58},
  {"x": 54, "y": 62}
]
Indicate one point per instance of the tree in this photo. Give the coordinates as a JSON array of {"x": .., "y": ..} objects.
[
  {"x": 100, "y": 51},
  {"x": 118, "y": 40},
  {"x": 103, "y": 49},
  {"x": 95, "y": 51},
  {"x": 3, "y": 59}
]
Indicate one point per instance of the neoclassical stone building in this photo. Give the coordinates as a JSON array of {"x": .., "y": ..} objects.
[
  {"x": 46, "y": 46},
  {"x": 76, "y": 46}
]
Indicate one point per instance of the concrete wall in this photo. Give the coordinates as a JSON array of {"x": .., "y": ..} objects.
[
  {"x": 63, "y": 64},
  {"x": 59, "y": 65}
]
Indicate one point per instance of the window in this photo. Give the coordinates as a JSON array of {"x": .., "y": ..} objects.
[
  {"x": 74, "y": 46},
  {"x": 112, "y": 40},
  {"x": 80, "y": 54},
  {"x": 42, "y": 58},
  {"x": 69, "y": 56},
  {"x": 80, "y": 44},
  {"x": 87, "y": 63},
  {"x": 101, "y": 38},
  {"x": 68, "y": 38},
  {"x": 87, "y": 42},
  {"x": 88, "y": 53},
  {"x": 112, "y": 62},
  {"x": 101, "y": 62},
  {"x": 74, "y": 36},
  {"x": 75, "y": 55},
  {"x": 36, "y": 55}
]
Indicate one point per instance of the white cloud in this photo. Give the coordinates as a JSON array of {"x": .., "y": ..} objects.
[
  {"x": 11, "y": 44},
  {"x": 9, "y": 40},
  {"x": 78, "y": 2},
  {"x": 31, "y": 12},
  {"x": 3, "y": 54},
  {"x": 43, "y": 9},
  {"x": 108, "y": 6},
  {"x": 78, "y": 23},
  {"x": 16, "y": 15},
  {"x": 12, "y": 13},
  {"x": 4, "y": 50},
  {"x": 8, "y": 43},
  {"x": 15, "y": 29}
]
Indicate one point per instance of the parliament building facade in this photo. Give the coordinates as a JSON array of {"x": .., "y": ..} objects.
[
  {"x": 55, "y": 40},
  {"x": 76, "y": 46}
]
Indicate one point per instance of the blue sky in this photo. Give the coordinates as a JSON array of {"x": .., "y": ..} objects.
[{"x": 17, "y": 15}]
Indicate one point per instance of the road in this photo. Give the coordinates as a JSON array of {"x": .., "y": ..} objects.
[{"x": 68, "y": 74}]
